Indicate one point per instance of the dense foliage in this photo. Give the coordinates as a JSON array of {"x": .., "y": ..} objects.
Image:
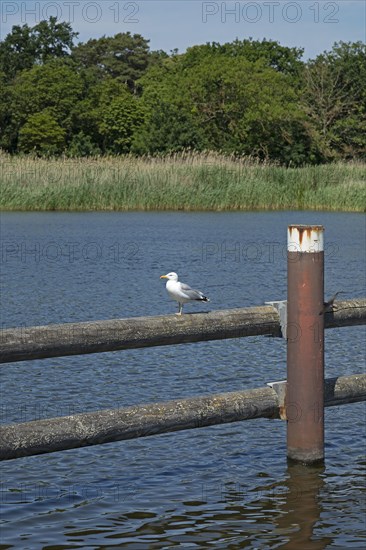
[{"x": 113, "y": 95}]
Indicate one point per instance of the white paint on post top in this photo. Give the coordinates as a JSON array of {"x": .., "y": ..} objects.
[{"x": 305, "y": 238}]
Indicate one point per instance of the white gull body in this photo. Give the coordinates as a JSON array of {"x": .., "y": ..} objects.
[{"x": 181, "y": 292}]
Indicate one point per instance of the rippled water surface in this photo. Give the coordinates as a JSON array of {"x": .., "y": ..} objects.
[{"x": 225, "y": 486}]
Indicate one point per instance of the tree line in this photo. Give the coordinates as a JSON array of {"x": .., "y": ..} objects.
[{"x": 114, "y": 95}]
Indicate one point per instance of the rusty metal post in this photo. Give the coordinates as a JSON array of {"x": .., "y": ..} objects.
[{"x": 305, "y": 344}]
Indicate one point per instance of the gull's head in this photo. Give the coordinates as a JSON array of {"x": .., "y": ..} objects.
[{"x": 171, "y": 276}]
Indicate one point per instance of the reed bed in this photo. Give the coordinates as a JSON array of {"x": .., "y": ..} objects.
[{"x": 184, "y": 181}]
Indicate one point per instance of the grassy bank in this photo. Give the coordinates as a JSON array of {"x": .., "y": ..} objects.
[{"x": 190, "y": 181}]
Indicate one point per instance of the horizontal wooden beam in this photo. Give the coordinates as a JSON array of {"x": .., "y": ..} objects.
[
  {"x": 106, "y": 426},
  {"x": 26, "y": 343}
]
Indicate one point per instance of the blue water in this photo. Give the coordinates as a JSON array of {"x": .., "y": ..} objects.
[{"x": 228, "y": 486}]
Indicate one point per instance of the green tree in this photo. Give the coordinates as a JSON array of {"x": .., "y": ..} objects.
[
  {"x": 54, "y": 86},
  {"x": 26, "y": 46},
  {"x": 246, "y": 107},
  {"x": 119, "y": 123},
  {"x": 82, "y": 145},
  {"x": 89, "y": 117},
  {"x": 53, "y": 39},
  {"x": 123, "y": 56},
  {"x": 168, "y": 128},
  {"x": 239, "y": 106},
  {"x": 281, "y": 58},
  {"x": 17, "y": 51},
  {"x": 42, "y": 135},
  {"x": 334, "y": 101},
  {"x": 5, "y": 115}
]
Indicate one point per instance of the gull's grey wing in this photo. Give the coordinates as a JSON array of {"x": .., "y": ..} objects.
[
  {"x": 185, "y": 287},
  {"x": 191, "y": 293}
]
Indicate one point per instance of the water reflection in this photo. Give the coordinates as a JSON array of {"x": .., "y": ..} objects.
[
  {"x": 293, "y": 507},
  {"x": 283, "y": 514},
  {"x": 302, "y": 507}
]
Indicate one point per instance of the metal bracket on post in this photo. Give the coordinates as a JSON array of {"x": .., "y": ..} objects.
[
  {"x": 280, "y": 389},
  {"x": 281, "y": 306}
]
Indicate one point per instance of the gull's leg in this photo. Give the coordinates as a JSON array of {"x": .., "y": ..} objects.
[{"x": 180, "y": 308}]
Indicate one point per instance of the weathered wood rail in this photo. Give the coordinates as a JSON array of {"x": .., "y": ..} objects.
[
  {"x": 27, "y": 343},
  {"x": 106, "y": 426}
]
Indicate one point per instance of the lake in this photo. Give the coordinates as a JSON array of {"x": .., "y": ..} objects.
[{"x": 226, "y": 486}]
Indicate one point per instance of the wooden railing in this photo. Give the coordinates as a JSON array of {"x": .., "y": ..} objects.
[
  {"x": 26, "y": 343},
  {"x": 305, "y": 393},
  {"x": 105, "y": 426}
]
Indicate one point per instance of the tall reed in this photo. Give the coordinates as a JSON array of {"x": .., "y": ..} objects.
[{"x": 184, "y": 181}]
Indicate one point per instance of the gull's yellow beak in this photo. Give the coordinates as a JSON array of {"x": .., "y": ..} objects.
[{"x": 163, "y": 277}]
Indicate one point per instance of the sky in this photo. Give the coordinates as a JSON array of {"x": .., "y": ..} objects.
[{"x": 179, "y": 24}]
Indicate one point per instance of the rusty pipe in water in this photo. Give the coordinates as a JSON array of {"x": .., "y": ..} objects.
[{"x": 305, "y": 344}]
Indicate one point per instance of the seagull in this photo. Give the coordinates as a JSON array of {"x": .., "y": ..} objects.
[
  {"x": 181, "y": 292},
  {"x": 330, "y": 305}
]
